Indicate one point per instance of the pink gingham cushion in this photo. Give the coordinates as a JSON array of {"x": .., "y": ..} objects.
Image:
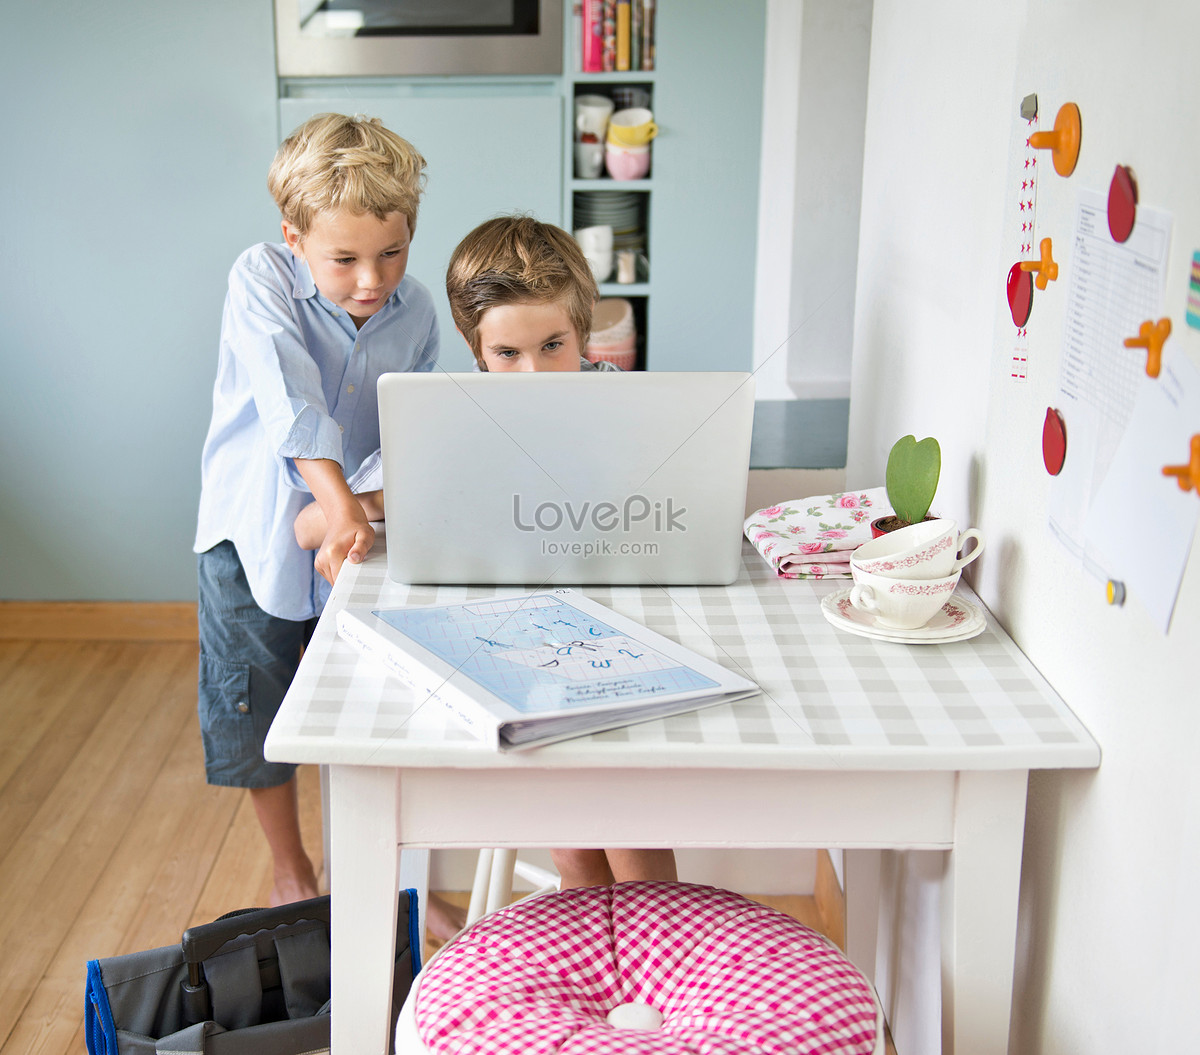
[{"x": 727, "y": 974}]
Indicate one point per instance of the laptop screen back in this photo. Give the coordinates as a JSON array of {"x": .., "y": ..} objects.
[{"x": 565, "y": 478}]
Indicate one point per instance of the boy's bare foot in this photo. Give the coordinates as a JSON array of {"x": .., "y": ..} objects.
[
  {"x": 289, "y": 888},
  {"x": 444, "y": 920}
]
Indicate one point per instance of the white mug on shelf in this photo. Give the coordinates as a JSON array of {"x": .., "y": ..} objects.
[
  {"x": 597, "y": 245},
  {"x": 589, "y": 159},
  {"x": 591, "y": 115}
]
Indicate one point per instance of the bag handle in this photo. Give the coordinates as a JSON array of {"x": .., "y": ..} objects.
[{"x": 199, "y": 943}]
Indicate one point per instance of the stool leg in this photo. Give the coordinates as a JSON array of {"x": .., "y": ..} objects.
[
  {"x": 542, "y": 878},
  {"x": 479, "y": 889},
  {"x": 500, "y": 887}
]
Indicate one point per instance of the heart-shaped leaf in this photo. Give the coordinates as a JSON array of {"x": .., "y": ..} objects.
[{"x": 912, "y": 477}]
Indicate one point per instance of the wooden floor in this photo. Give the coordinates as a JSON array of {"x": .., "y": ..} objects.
[{"x": 110, "y": 840}]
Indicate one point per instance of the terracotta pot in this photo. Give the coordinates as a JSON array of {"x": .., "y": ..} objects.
[{"x": 892, "y": 523}]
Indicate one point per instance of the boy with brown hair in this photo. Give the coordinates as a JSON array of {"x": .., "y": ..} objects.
[{"x": 521, "y": 293}]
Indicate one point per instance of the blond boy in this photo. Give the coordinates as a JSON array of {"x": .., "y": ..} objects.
[{"x": 308, "y": 327}]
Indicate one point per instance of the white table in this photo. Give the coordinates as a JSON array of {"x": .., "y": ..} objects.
[{"x": 855, "y": 743}]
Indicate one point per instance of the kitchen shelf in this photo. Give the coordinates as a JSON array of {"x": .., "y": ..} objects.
[
  {"x": 706, "y": 96},
  {"x": 624, "y": 289},
  {"x": 608, "y": 183}
]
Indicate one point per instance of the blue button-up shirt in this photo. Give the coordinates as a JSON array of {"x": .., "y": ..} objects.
[{"x": 295, "y": 379}]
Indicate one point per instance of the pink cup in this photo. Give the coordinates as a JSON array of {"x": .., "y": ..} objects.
[{"x": 625, "y": 163}]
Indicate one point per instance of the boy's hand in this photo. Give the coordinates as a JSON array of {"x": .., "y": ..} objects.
[
  {"x": 349, "y": 538},
  {"x": 348, "y": 534},
  {"x": 310, "y": 526}
]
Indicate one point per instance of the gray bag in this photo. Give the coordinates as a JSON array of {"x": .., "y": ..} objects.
[{"x": 255, "y": 981}]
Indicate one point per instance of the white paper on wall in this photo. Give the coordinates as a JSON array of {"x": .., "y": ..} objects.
[
  {"x": 1140, "y": 523},
  {"x": 1112, "y": 288}
]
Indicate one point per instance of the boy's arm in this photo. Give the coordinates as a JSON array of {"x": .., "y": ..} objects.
[
  {"x": 311, "y": 524},
  {"x": 348, "y": 535}
]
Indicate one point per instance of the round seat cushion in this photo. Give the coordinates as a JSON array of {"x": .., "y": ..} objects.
[{"x": 725, "y": 975}]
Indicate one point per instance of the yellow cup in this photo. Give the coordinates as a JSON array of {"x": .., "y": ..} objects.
[{"x": 634, "y": 127}]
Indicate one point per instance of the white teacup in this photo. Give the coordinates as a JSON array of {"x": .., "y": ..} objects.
[
  {"x": 597, "y": 245},
  {"x": 929, "y": 550},
  {"x": 901, "y": 604}
]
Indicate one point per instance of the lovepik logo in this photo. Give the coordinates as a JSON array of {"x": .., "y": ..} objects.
[{"x": 601, "y": 516}]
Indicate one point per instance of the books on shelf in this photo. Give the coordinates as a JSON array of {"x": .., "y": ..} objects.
[
  {"x": 614, "y": 35},
  {"x": 524, "y": 671}
]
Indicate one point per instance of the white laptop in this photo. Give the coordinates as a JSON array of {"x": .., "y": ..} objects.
[{"x": 565, "y": 478}]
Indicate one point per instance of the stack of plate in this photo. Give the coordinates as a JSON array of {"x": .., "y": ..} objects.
[{"x": 620, "y": 210}]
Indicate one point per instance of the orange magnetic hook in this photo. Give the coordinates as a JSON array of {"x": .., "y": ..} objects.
[
  {"x": 1187, "y": 476},
  {"x": 1046, "y": 268},
  {"x": 1151, "y": 336},
  {"x": 1063, "y": 142}
]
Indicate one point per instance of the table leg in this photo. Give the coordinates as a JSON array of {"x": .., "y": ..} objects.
[
  {"x": 364, "y": 835},
  {"x": 979, "y": 912},
  {"x": 861, "y": 875}
]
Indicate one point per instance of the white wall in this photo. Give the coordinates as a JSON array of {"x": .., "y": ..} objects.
[
  {"x": 749, "y": 871},
  {"x": 1107, "y": 960},
  {"x": 814, "y": 105}
]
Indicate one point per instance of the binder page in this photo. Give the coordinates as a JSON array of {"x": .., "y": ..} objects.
[{"x": 549, "y": 653}]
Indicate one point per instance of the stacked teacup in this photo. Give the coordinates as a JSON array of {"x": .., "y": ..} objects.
[
  {"x": 627, "y": 145},
  {"x": 904, "y": 577}
]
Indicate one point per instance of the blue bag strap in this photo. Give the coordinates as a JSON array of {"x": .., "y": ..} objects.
[
  {"x": 100, "y": 1031},
  {"x": 414, "y": 930}
]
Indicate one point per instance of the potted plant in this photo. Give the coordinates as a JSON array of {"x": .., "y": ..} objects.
[{"x": 913, "y": 470}]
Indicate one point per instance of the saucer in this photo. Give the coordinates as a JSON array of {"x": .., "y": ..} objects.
[{"x": 957, "y": 620}]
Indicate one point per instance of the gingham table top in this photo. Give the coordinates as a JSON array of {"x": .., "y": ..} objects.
[{"x": 830, "y": 699}]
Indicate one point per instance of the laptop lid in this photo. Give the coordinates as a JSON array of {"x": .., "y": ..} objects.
[{"x": 565, "y": 478}]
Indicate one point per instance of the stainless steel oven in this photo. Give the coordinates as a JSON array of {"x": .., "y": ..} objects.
[{"x": 385, "y": 38}]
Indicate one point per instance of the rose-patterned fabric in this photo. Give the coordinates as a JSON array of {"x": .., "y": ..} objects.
[
  {"x": 727, "y": 975},
  {"x": 813, "y": 538}
]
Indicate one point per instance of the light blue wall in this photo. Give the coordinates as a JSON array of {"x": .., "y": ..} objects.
[
  {"x": 708, "y": 105},
  {"x": 137, "y": 141},
  {"x": 135, "y": 148}
]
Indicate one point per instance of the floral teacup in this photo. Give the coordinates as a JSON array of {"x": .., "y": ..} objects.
[
  {"x": 929, "y": 550},
  {"x": 902, "y": 604}
]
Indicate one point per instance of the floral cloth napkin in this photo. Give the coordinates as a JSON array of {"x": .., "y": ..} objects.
[{"x": 812, "y": 538}]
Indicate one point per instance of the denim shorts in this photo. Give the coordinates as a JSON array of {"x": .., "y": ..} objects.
[{"x": 247, "y": 661}]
